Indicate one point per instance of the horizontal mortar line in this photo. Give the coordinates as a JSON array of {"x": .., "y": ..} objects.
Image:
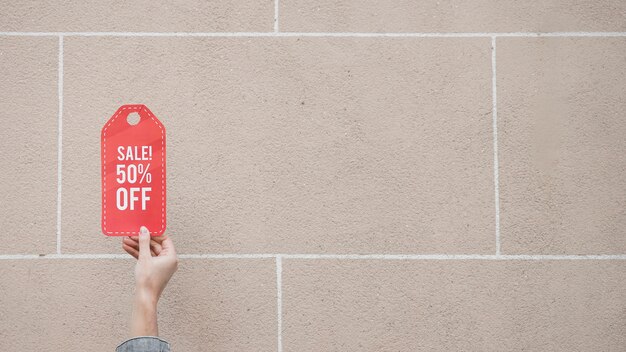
[
  {"x": 227, "y": 256},
  {"x": 320, "y": 34},
  {"x": 454, "y": 256},
  {"x": 336, "y": 256}
]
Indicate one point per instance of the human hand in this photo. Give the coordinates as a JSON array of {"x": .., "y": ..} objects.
[
  {"x": 156, "y": 262},
  {"x": 131, "y": 245}
]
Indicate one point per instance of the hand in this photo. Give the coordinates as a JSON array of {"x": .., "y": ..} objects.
[
  {"x": 156, "y": 263},
  {"x": 131, "y": 245}
]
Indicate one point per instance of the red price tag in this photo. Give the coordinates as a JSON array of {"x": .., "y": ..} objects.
[{"x": 133, "y": 173}]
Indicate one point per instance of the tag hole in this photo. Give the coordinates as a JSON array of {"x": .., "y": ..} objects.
[{"x": 133, "y": 118}]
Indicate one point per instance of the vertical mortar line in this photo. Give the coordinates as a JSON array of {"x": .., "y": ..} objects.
[
  {"x": 494, "y": 114},
  {"x": 276, "y": 16},
  {"x": 59, "y": 142},
  {"x": 279, "y": 300}
]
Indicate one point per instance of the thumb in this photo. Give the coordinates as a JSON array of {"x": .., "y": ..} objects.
[{"x": 144, "y": 243}]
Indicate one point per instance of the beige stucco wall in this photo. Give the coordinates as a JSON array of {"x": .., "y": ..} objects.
[{"x": 342, "y": 175}]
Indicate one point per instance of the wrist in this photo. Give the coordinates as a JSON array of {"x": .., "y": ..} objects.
[{"x": 145, "y": 298}]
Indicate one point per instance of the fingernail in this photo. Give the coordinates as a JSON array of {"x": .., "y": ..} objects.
[{"x": 143, "y": 231}]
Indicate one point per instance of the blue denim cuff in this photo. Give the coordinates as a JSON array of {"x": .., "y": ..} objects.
[{"x": 144, "y": 344}]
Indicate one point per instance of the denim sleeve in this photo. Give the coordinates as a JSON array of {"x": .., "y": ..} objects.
[{"x": 144, "y": 344}]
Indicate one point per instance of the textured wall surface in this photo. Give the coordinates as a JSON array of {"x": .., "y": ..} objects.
[{"x": 342, "y": 175}]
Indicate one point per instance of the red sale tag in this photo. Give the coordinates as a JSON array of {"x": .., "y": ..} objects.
[{"x": 133, "y": 173}]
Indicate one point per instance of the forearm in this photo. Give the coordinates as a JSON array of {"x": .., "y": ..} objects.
[{"x": 144, "y": 316}]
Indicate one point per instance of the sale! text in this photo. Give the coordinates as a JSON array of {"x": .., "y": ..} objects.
[{"x": 133, "y": 177}]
